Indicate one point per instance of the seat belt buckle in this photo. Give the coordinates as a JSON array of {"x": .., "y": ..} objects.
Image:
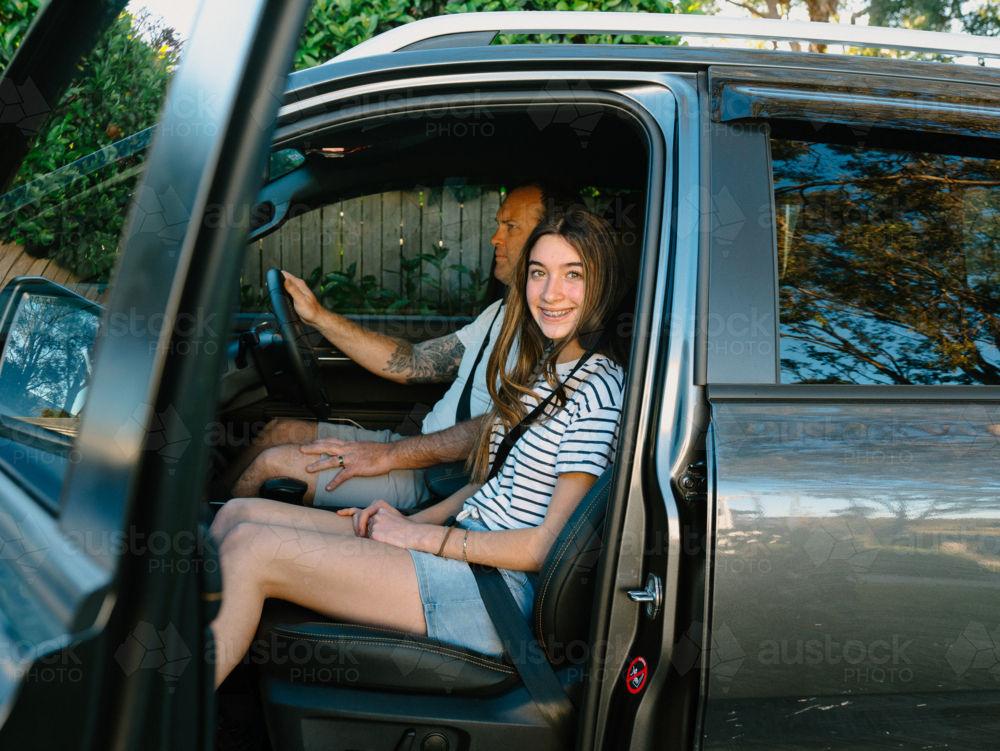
[{"x": 472, "y": 512}]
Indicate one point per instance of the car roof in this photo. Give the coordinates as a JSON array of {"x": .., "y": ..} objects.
[{"x": 336, "y": 74}]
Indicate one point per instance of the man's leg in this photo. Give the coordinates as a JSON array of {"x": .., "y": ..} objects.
[
  {"x": 402, "y": 488},
  {"x": 278, "y": 432}
]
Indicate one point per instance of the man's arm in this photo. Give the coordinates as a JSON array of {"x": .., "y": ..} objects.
[
  {"x": 398, "y": 360},
  {"x": 370, "y": 459}
]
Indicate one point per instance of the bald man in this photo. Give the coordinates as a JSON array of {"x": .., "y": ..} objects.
[{"x": 347, "y": 466}]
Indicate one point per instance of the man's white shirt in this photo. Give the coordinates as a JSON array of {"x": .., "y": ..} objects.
[{"x": 443, "y": 414}]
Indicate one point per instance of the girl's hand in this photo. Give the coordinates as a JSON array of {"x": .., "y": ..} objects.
[
  {"x": 384, "y": 523},
  {"x": 361, "y": 517}
]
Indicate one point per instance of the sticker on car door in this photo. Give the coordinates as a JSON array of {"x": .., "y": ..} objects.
[{"x": 635, "y": 677}]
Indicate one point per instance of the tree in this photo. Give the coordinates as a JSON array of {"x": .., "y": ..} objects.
[{"x": 888, "y": 265}]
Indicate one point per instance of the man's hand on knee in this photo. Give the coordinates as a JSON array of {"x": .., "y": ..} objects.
[{"x": 357, "y": 458}]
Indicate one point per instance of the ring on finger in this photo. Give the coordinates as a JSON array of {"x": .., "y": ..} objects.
[
  {"x": 370, "y": 527},
  {"x": 340, "y": 459}
]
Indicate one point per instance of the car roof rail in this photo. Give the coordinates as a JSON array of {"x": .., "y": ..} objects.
[{"x": 480, "y": 29}]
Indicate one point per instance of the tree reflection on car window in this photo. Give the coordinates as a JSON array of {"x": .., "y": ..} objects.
[{"x": 887, "y": 265}]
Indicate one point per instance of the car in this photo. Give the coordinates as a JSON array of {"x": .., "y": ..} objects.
[{"x": 798, "y": 545}]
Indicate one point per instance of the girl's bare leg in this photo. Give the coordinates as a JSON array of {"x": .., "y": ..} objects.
[
  {"x": 343, "y": 577},
  {"x": 262, "y": 511}
]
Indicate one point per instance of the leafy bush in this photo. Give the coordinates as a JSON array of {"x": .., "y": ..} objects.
[
  {"x": 119, "y": 92},
  {"x": 334, "y": 26},
  {"x": 15, "y": 16}
]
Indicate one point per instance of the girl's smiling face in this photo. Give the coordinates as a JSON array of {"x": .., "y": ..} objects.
[{"x": 555, "y": 288}]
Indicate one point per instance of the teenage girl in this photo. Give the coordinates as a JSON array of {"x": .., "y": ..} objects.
[{"x": 376, "y": 566}]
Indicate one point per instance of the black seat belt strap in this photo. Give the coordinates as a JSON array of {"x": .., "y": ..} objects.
[
  {"x": 538, "y": 676},
  {"x": 463, "y": 411},
  {"x": 503, "y": 450}
]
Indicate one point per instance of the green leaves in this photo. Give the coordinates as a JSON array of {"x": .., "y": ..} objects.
[
  {"x": 343, "y": 293},
  {"x": 119, "y": 92}
]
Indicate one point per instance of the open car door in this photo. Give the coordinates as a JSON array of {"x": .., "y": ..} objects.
[{"x": 106, "y": 585}]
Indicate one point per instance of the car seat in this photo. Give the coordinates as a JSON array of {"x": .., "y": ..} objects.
[{"x": 346, "y": 687}]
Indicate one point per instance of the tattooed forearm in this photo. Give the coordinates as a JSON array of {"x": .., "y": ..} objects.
[{"x": 428, "y": 362}]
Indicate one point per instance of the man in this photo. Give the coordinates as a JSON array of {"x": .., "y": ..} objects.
[{"x": 347, "y": 466}]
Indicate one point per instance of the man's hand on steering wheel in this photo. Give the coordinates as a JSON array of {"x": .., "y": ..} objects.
[
  {"x": 305, "y": 302},
  {"x": 358, "y": 458},
  {"x": 299, "y": 352}
]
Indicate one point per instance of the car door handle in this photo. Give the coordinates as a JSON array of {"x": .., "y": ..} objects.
[{"x": 652, "y": 595}]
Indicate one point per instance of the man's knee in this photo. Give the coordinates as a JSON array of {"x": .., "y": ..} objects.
[
  {"x": 282, "y": 430},
  {"x": 279, "y": 461}
]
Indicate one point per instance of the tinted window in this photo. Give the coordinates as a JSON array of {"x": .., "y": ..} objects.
[
  {"x": 887, "y": 265},
  {"x": 424, "y": 251}
]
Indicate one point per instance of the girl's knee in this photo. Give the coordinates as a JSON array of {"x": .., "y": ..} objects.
[
  {"x": 233, "y": 512},
  {"x": 238, "y": 542}
]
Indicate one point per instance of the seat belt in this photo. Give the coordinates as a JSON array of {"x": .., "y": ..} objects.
[
  {"x": 515, "y": 433},
  {"x": 463, "y": 411},
  {"x": 538, "y": 676}
]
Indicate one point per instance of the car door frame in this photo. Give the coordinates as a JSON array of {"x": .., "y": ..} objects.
[
  {"x": 675, "y": 117},
  {"x": 97, "y": 596}
]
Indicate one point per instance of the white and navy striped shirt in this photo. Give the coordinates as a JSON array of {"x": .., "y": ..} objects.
[{"x": 582, "y": 437}]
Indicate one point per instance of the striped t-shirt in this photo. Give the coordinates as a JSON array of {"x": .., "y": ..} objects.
[{"x": 582, "y": 437}]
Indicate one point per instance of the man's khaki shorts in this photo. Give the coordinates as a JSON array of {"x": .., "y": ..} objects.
[{"x": 402, "y": 488}]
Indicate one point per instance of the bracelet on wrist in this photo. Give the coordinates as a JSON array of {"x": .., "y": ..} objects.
[
  {"x": 444, "y": 541},
  {"x": 450, "y": 524}
]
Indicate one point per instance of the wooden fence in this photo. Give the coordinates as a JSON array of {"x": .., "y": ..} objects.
[
  {"x": 376, "y": 231},
  {"x": 15, "y": 262}
]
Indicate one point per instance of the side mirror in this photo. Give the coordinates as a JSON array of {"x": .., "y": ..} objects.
[{"x": 47, "y": 335}]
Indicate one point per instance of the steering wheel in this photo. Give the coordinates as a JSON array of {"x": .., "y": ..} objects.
[{"x": 300, "y": 355}]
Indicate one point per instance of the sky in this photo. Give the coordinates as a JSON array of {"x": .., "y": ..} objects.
[{"x": 177, "y": 13}]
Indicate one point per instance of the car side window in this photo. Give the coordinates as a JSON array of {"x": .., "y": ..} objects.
[
  {"x": 62, "y": 224},
  {"x": 418, "y": 252},
  {"x": 887, "y": 263}
]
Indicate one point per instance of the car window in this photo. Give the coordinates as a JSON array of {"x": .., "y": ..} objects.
[
  {"x": 888, "y": 264},
  {"x": 424, "y": 251},
  {"x": 62, "y": 221}
]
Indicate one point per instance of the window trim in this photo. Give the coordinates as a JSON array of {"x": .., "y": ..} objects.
[
  {"x": 813, "y": 392},
  {"x": 826, "y": 97}
]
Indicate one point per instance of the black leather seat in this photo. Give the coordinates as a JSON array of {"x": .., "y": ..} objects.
[
  {"x": 305, "y": 647},
  {"x": 446, "y": 479}
]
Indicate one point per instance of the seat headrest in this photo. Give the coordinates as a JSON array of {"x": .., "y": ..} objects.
[{"x": 560, "y": 616}]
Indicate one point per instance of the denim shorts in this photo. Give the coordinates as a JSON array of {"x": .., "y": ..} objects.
[{"x": 453, "y": 608}]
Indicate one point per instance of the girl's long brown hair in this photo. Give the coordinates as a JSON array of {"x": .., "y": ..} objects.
[{"x": 605, "y": 280}]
